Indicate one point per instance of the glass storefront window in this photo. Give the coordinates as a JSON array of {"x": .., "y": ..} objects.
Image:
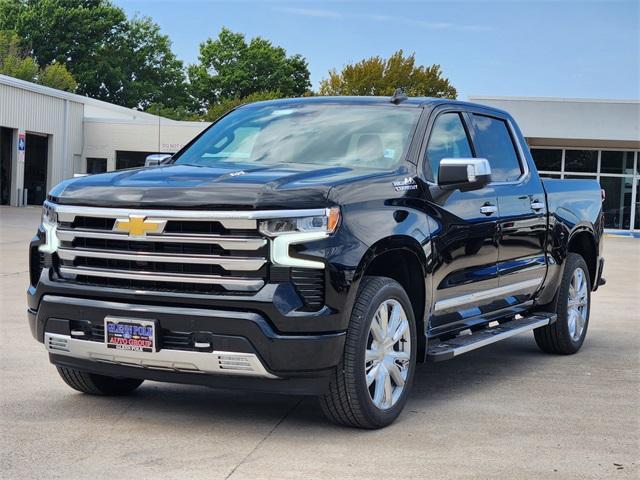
[
  {"x": 581, "y": 161},
  {"x": 547, "y": 158},
  {"x": 581, "y": 177},
  {"x": 549, "y": 175},
  {"x": 617, "y": 204},
  {"x": 616, "y": 162}
]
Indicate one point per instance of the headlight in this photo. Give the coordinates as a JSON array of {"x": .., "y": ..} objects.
[
  {"x": 326, "y": 223},
  {"x": 49, "y": 215},
  {"x": 50, "y": 225},
  {"x": 295, "y": 230}
]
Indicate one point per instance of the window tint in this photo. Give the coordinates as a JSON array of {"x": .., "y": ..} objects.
[
  {"x": 448, "y": 140},
  {"x": 495, "y": 144}
]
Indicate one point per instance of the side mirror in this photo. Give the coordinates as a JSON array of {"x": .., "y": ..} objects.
[
  {"x": 156, "y": 159},
  {"x": 464, "y": 173}
]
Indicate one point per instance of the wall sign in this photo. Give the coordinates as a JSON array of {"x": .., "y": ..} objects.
[{"x": 22, "y": 145}]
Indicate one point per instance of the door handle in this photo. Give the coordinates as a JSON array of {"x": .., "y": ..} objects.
[
  {"x": 536, "y": 205},
  {"x": 488, "y": 209}
]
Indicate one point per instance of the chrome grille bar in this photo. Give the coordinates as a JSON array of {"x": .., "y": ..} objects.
[
  {"x": 227, "y": 243},
  {"x": 228, "y": 263},
  {"x": 238, "y": 284}
]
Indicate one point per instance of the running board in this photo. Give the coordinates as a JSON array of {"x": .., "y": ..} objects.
[{"x": 447, "y": 349}]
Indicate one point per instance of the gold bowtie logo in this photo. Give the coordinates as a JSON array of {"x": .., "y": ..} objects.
[{"x": 139, "y": 226}]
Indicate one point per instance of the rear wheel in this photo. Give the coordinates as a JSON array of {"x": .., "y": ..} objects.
[
  {"x": 98, "y": 384},
  {"x": 370, "y": 386},
  {"x": 572, "y": 305}
]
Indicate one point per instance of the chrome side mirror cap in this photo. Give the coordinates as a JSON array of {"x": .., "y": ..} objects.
[
  {"x": 156, "y": 159},
  {"x": 464, "y": 173}
]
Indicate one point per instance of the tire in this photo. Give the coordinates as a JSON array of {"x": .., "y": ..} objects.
[
  {"x": 564, "y": 335},
  {"x": 350, "y": 401},
  {"x": 94, "y": 384}
]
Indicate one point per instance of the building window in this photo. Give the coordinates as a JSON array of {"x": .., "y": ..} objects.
[
  {"x": 616, "y": 162},
  {"x": 617, "y": 204},
  {"x": 125, "y": 159},
  {"x": 581, "y": 161},
  {"x": 547, "y": 159},
  {"x": 96, "y": 165}
]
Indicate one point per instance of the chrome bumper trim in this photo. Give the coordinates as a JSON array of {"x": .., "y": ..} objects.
[
  {"x": 243, "y": 285},
  {"x": 216, "y": 362}
]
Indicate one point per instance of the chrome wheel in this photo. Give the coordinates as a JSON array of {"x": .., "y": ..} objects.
[
  {"x": 388, "y": 354},
  {"x": 577, "y": 304}
]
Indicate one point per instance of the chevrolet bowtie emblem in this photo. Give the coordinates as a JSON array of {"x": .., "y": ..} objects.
[{"x": 138, "y": 225}]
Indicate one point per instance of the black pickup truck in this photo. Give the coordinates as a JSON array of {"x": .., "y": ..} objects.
[{"x": 319, "y": 246}]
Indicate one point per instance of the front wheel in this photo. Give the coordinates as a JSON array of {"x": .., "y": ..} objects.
[
  {"x": 94, "y": 384},
  {"x": 370, "y": 386},
  {"x": 572, "y": 305}
]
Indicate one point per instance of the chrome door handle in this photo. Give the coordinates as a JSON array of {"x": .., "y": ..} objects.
[
  {"x": 488, "y": 209},
  {"x": 536, "y": 205}
]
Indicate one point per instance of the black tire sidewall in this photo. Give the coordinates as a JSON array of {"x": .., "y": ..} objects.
[{"x": 390, "y": 291}]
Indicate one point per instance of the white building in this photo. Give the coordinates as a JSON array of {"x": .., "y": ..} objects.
[
  {"x": 63, "y": 134},
  {"x": 47, "y": 135}
]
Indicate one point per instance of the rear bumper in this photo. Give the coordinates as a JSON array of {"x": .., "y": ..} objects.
[{"x": 270, "y": 361}]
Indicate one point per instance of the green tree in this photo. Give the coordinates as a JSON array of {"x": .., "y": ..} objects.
[
  {"x": 57, "y": 76},
  {"x": 231, "y": 68},
  {"x": 15, "y": 62},
  {"x": 379, "y": 76},
  {"x": 127, "y": 62}
]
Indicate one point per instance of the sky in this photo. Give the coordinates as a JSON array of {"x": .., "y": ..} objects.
[{"x": 570, "y": 49}]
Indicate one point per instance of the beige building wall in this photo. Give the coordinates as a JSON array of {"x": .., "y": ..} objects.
[{"x": 102, "y": 138}]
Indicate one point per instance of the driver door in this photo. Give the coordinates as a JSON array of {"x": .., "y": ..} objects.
[{"x": 465, "y": 247}]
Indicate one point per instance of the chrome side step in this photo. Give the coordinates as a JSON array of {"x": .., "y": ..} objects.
[{"x": 447, "y": 349}]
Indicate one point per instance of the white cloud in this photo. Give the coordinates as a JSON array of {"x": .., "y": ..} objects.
[
  {"x": 310, "y": 12},
  {"x": 426, "y": 24}
]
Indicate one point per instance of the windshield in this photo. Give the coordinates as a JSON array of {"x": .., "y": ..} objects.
[{"x": 375, "y": 137}]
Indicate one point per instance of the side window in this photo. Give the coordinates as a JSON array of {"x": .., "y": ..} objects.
[
  {"x": 448, "y": 139},
  {"x": 494, "y": 142}
]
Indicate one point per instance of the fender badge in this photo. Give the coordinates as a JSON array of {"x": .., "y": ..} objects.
[{"x": 407, "y": 183}]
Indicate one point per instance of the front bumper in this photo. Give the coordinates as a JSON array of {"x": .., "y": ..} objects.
[{"x": 245, "y": 350}]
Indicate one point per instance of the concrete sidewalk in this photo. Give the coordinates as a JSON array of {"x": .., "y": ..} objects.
[{"x": 506, "y": 411}]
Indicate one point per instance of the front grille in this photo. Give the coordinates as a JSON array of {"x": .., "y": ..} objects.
[{"x": 192, "y": 252}]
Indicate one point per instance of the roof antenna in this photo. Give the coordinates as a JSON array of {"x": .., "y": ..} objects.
[{"x": 398, "y": 96}]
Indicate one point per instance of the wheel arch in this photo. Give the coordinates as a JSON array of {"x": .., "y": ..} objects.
[
  {"x": 582, "y": 241},
  {"x": 403, "y": 259}
]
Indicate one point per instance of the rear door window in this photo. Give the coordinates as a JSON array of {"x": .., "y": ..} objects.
[
  {"x": 448, "y": 139},
  {"x": 495, "y": 143}
]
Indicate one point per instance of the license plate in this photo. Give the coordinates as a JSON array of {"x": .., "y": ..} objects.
[{"x": 130, "y": 334}]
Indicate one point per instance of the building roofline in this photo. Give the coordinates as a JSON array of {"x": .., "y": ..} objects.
[
  {"x": 475, "y": 98},
  {"x": 74, "y": 97}
]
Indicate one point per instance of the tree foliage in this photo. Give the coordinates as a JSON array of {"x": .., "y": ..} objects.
[
  {"x": 379, "y": 76},
  {"x": 15, "y": 62},
  {"x": 231, "y": 68},
  {"x": 127, "y": 62}
]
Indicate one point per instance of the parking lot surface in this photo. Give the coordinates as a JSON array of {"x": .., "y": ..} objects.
[{"x": 505, "y": 411}]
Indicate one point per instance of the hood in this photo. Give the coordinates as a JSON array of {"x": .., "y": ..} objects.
[{"x": 186, "y": 186}]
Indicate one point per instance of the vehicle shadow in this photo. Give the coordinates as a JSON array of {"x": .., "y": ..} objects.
[{"x": 435, "y": 383}]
